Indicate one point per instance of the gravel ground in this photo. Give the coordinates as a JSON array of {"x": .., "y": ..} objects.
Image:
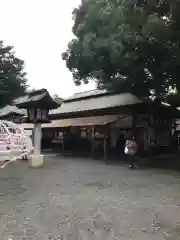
[{"x": 84, "y": 199}]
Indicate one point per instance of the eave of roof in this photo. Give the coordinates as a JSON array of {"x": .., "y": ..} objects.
[
  {"x": 39, "y": 98},
  {"x": 102, "y": 102},
  {"x": 87, "y": 94}
]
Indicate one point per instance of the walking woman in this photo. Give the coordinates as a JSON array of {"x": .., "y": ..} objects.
[{"x": 130, "y": 151}]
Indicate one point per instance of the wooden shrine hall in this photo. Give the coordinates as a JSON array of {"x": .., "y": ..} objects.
[{"x": 97, "y": 122}]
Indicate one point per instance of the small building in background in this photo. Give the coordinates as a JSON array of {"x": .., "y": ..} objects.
[
  {"x": 114, "y": 115},
  {"x": 12, "y": 113},
  {"x": 98, "y": 121}
]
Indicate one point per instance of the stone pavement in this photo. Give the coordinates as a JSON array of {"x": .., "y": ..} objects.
[{"x": 84, "y": 199}]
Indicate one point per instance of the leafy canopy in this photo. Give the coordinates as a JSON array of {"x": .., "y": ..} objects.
[
  {"x": 13, "y": 81},
  {"x": 127, "y": 46}
]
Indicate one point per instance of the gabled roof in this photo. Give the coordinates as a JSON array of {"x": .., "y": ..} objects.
[
  {"x": 11, "y": 110},
  {"x": 87, "y": 94},
  {"x": 36, "y": 98},
  {"x": 101, "y": 102}
]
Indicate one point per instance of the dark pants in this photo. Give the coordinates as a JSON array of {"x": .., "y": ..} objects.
[{"x": 131, "y": 159}]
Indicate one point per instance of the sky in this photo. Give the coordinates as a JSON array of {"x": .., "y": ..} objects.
[{"x": 40, "y": 30}]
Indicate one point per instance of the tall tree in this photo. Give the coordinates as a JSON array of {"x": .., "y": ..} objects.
[
  {"x": 127, "y": 46},
  {"x": 13, "y": 81}
]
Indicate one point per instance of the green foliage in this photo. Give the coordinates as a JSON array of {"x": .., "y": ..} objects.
[
  {"x": 173, "y": 99},
  {"x": 30, "y": 90},
  {"x": 12, "y": 77},
  {"x": 127, "y": 46}
]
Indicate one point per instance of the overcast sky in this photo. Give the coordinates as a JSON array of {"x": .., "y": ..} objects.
[{"x": 40, "y": 31}]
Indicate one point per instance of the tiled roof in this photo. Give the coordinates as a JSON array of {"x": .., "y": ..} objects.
[
  {"x": 86, "y": 101},
  {"x": 91, "y": 93},
  {"x": 5, "y": 111},
  {"x": 36, "y": 96},
  {"x": 101, "y": 102}
]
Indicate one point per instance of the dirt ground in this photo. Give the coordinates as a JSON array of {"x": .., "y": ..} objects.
[{"x": 84, "y": 199}]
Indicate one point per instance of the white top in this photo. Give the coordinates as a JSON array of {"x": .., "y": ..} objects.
[{"x": 130, "y": 147}]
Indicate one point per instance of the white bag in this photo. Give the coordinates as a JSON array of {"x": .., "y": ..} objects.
[{"x": 126, "y": 150}]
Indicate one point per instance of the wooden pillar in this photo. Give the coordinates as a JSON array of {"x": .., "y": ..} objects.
[
  {"x": 63, "y": 144},
  {"x": 134, "y": 121},
  {"x": 155, "y": 129},
  {"x": 105, "y": 146},
  {"x": 93, "y": 140},
  {"x": 178, "y": 144}
]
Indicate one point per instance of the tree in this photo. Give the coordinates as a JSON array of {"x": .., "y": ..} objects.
[
  {"x": 57, "y": 99},
  {"x": 30, "y": 90},
  {"x": 13, "y": 81},
  {"x": 127, "y": 46},
  {"x": 173, "y": 99}
]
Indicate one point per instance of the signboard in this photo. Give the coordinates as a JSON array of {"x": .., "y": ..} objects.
[
  {"x": 98, "y": 135},
  {"x": 13, "y": 142}
]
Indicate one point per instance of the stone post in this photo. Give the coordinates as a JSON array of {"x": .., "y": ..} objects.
[
  {"x": 36, "y": 159},
  {"x": 37, "y": 138}
]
